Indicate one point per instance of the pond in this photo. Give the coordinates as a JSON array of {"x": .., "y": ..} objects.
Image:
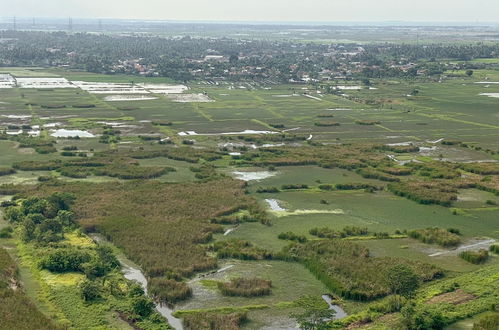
[
  {"x": 64, "y": 133},
  {"x": 253, "y": 176}
]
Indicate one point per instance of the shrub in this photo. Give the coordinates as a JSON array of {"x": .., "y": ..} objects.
[
  {"x": 215, "y": 320},
  {"x": 64, "y": 260},
  {"x": 246, "y": 287},
  {"x": 475, "y": 257},
  {"x": 90, "y": 290},
  {"x": 327, "y": 124},
  {"x": 294, "y": 186},
  {"x": 290, "y": 236},
  {"x": 438, "y": 236},
  {"x": 347, "y": 269},
  {"x": 6, "y": 232},
  {"x": 494, "y": 248},
  {"x": 240, "y": 249},
  {"x": 167, "y": 290},
  {"x": 142, "y": 306},
  {"x": 262, "y": 190}
]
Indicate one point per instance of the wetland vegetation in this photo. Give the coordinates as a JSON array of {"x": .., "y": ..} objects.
[{"x": 247, "y": 179}]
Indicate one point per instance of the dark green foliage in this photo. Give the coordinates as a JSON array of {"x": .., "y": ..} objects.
[
  {"x": 90, "y": 290},
  {"x": 45, "y": 149},
  {"x": 6, "y": 232},
  {"x": 402, "y": 280},
  {"x": 290, "y": 236},
  {"x": 368, "y": 122},
  {"x": 445, "y": 238},
  {"x": 294, "y": 186},
  {"x": 65, "y": 260},
  {"x": 83, "y": 106},
  {"x": 475, "y": 257},
  {"x": 494, "y": 248},
  {"x": 245, "y": 287},
  {"x": 272, "y": 190},
  {"x": 326, "y": 232},
  {"x": 142, "y": 306},
  {"x": 240, "y": 249},
  {"x": 327, "y": 124},
  {"x": 425, "y": 318},
  {"x": 168, "y": 290},
  {"x": 355, "y": 186}
]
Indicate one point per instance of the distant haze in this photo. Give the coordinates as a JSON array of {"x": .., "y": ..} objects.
[{"x": 261, "y": 10}]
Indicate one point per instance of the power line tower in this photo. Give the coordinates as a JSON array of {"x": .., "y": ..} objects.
[
  {"x": 70, "y": 24},
  {"x": 100, "y": 25},
  {"x": 33, "y": 22},
  {"x": 14, "y": 23}
]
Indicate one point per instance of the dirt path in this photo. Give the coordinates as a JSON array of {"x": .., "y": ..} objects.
[{"x": 481, "y": 244}]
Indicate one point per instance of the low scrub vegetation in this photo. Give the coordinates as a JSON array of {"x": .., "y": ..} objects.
[
  {"x": 214, "y": 320},
  {"x": 425, "y": 192},
  {"x": 326, "y": 232},
  {"x": 240, "y": 249},
  {"x": 246, "y": 287},
  {"x": 348, "y": 270},
  {"x": 475, "y": 257},
  {"x": 445, "y": 238}
]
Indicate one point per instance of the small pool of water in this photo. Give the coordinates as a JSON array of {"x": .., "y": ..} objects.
[{"x": 71, "y": 133}]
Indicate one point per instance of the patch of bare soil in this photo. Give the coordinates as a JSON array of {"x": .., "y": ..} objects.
[{"x": 455, "y": 297}]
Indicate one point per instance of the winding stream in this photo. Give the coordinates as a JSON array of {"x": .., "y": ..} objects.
[
  {"x": 133, "y": 273},
  {"x": 339, "y": 312}
]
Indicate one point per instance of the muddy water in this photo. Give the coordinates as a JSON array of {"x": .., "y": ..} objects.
[
  {"x": 133, "y": 273},
  {"x": 274, "y": 205},
  {"x": 339, "y": 312}
]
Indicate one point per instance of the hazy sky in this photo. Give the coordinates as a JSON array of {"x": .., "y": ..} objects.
[{"x": 260, "y": 10}]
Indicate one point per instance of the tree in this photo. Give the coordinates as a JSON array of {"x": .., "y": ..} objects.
[
  {"x": 469, "y": 73},
  {"x": 14, "y": 214},
  {"x": 142, "y": 306},
  {"x": 90, "y": 290},
  {"x": 402, "y": 280},
  {"x": 317, "y": 313}
]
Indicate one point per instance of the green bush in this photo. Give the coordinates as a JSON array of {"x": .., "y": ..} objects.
[
  {"x": 245, "y": 287},
  {"x": 290, "y": 236},
  {"x": 65, "y": 260},
  {"x": 167, "y": 290},
  {"x": 445, "y": 238},
  {"x": 475, "y": 257}
]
